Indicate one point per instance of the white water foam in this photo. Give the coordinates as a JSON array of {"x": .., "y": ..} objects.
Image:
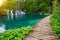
[{"x": 2, "y": 28}]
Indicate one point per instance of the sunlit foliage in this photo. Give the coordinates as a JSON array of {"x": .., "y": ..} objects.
[{"x": 16, "y": 34}]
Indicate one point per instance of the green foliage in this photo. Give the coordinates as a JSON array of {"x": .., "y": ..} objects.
[
  {"x": 2, "y": 12},
  {"x": 55, "y": 18},
  {"x": 55, "y": 25},
  {"x": 16, "y": 34},
  {"x": 11, "y": 4},
  {"x": 56, "y": 12},
  {"x": 29, "y": 6},
  {"x": 36, "y": 5},
  {"x": 44, "y": 5}
]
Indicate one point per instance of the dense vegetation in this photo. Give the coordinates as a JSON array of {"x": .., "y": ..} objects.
[
  {"x": 55, "y": 25},
  {"x": 36, "y": 6},
  {"x": 29, "y": 6},
  {"x": 55, "y": 18},
  {"x": 8, "y": 5},
  {"x": 15, "y": 34}
]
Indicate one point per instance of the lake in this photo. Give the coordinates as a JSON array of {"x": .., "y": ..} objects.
[{"x": 11, "y": 22}]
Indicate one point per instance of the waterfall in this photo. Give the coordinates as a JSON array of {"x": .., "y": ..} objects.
[
  {"x": 17, "y": 14},
  {"x": 12, "y": 12},
  {"x": 12, "y": 15},
  {"x": 22, "y": 12}
]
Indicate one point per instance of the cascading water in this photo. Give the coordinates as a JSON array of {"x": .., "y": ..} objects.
[
  {"x": 21, "y": 12},
  {"x": 17, "y": 13},
  {"x": 12, "y": 14}
]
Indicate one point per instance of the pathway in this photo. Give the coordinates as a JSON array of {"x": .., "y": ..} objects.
[{"x": 42, "y": 31}]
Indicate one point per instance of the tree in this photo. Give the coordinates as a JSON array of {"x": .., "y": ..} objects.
[
  {"x": 12, "y": 4},
  {"x": 36, "y": 6},
  {"x": 9, "y": 5}
]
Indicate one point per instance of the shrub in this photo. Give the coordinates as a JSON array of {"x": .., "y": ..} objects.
[
  {"x": 16, "y": 34},
  {"x": 55, "y": 25},
  {"x": 55, "y": 20},
  {"x": 56, "y": 12}
]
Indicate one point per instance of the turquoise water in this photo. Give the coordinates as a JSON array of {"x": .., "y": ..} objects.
[{"x": 19, "y": 21}]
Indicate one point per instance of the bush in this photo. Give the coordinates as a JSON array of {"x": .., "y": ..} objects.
[
  {"x": 36, "y": 6},
  {"x": 55, "y": 20},
  {"x": 56, "y": 12},
  {"x": 3, "y": 12},
  {"x": 16, "y": 34},
  {"x": 55, "y": 25}
]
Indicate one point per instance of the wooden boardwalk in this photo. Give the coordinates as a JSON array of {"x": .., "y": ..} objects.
[{"x": 42, "y": 31}]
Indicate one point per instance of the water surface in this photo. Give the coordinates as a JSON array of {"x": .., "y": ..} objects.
[{"x": 11, "y": 22}]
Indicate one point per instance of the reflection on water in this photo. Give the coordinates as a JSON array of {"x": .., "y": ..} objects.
[
  {"x": 18, "y": 21},
  {"x": 2, "y": 28}
]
